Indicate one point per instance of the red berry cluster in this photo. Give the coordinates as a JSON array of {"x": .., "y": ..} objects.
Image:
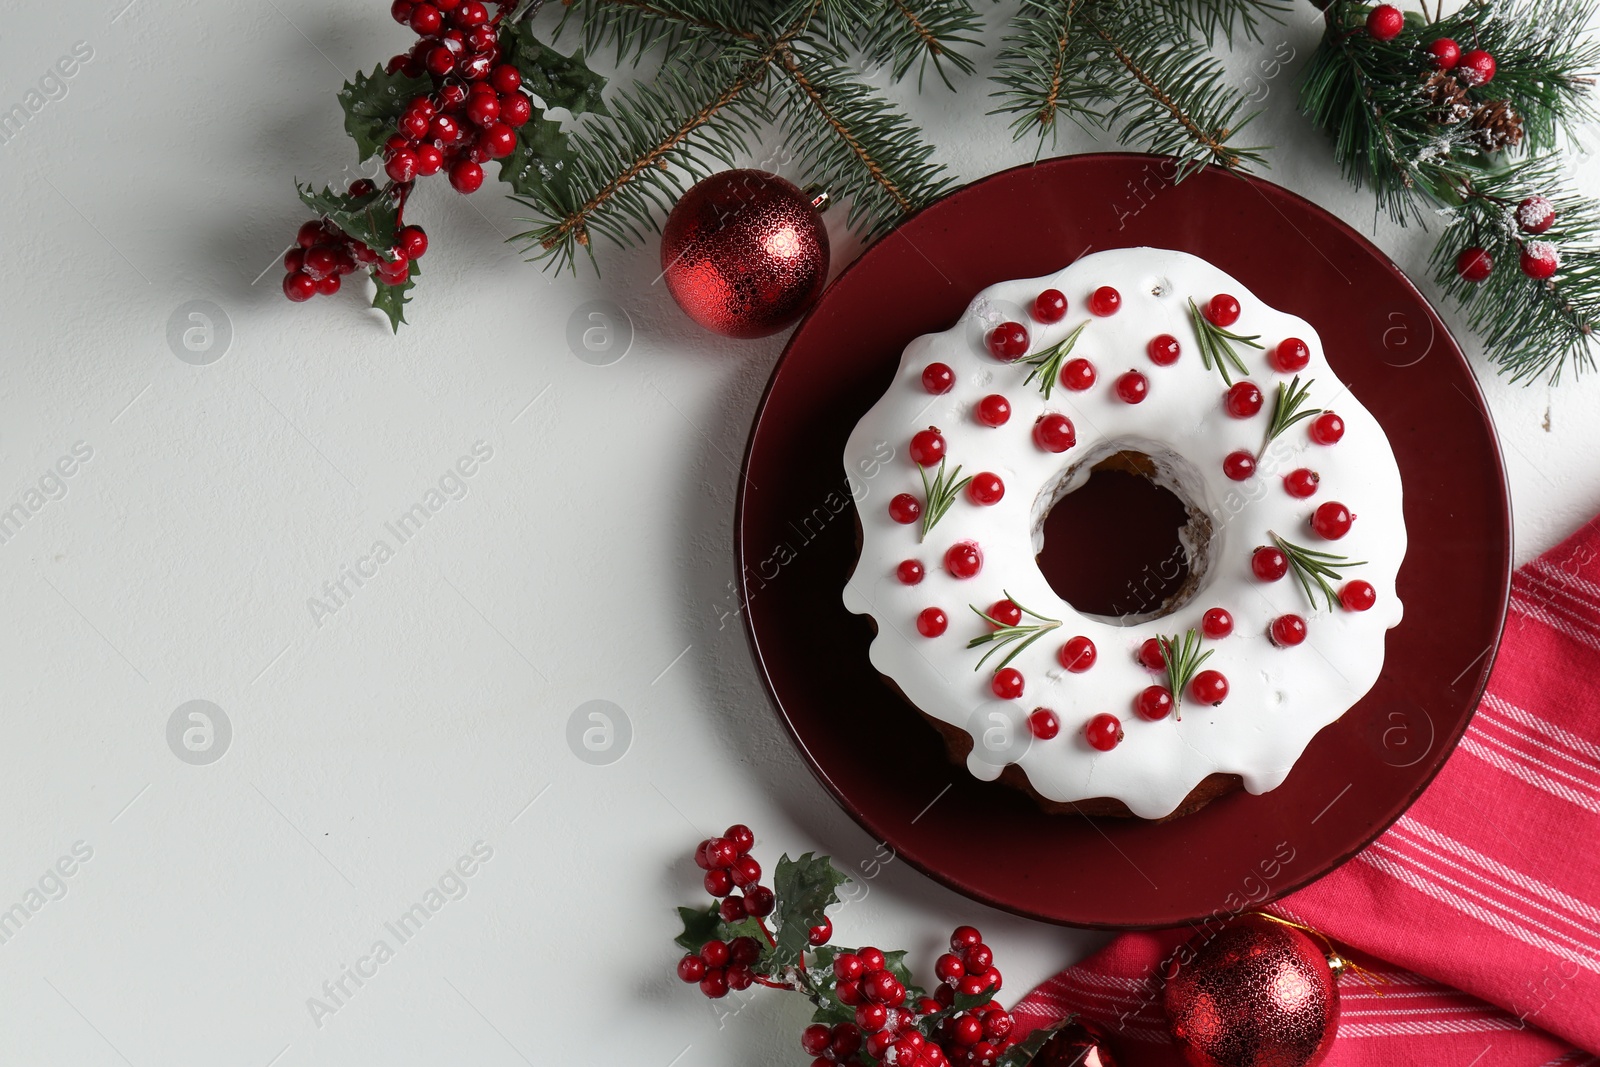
[
  {"x": 721, "y": 965},
  {"x": 469, "y": 118},
  {"x": 729, "y": 865},
  {"x": 323, "y": 254},
  {"x": 472, "y": 115}
]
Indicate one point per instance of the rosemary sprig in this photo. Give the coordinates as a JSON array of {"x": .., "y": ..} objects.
[
  {"x": 941, "y": 493},
  {"x": 1216, "y": 344},
  {"x": 1047, "y": 364},
  {"x": 1311, "y": 566},
  {"x": 1288, "y": 408},
  {"x": 1183, "y": 657},
  {"x": 1019, "y": 637}
]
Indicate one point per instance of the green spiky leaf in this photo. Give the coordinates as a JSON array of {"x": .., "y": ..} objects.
[
  {"x": 371, "y": 219},
  {"x": 541, "y": 159},
  {"x": 558, "y": 80},
  {"x": 373, "y": 104},
  {"x": 805, "y": 887},
  {"x": 392, "y": 299}
]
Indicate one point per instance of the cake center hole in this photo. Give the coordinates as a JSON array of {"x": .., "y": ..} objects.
[{"x": 1112, "y": 547}]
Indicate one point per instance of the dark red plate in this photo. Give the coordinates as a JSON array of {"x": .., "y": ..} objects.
[{"x": 796, "y": 545}]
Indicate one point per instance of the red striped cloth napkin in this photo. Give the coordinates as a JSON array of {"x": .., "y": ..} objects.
[{"x": 1483, "y": 901}]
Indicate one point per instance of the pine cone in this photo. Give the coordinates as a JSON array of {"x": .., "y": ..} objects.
[
  {"x": 1496, "y": 125},
  {"x": 1449, "y": 98}
]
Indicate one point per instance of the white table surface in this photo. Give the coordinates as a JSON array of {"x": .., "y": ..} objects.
[{"x": 590, "y": 559}]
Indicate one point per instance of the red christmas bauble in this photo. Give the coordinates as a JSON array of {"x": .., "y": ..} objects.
[
  {"x": 1257, "y": 994},
  {"x": 744, "y": 253}
]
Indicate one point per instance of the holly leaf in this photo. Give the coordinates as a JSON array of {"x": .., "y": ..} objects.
[
  {"x": 372, "y": 219},
  {"x": 558, "y": 80},
  {"x": 698, "y": 927},
  {"x": 541, "y": 159},
  {"x": 804, "y": 887},
  {"x": 373, "y": 104},
  {"x": 1023, "y": 1052},
  {"x": 392, "y": 300},
  {"x": 929, "y": 1024}
]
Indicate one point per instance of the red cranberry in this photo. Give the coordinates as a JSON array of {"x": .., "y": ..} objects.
[
  {"x": 1291, "y": 355},
  {"x": 821, "y": 934},
  {"x": 1243, "y": 400},
  {"x": 1007, "y": 683},
  {"x": 743, "y": 838},
  {"x": 948, "y": 968},
  {"x": 847, "y": 966},
  {"x": 815, "y": 1039},
  {"x": 1209, "y": 687},
  {"x": 1239, "y": 465},
  {"x": 994, "y": 410},
  {"x": 986, "y": 488},
  {"x": 299, "y": 286},
  {"x": 1154, "y": 703},
  {"x": 715, "y": 953},
  {"x": 718, "y": 882},
  {"x": 466, "y": 176},
  {"x": 1476, "y": 67},
  {"x": 759, "y": 900},
  {"x": 1151, "y": 655},
  {"x": 1287, "y": 630},
  {"x": 1078, "y": 654},
  {"x": 691, "y": 968},
  {"x": 1358, "y": 595},
  {"x": 905, "y": 509},
  {"x": 1132, "y": 387},
  {"x": 1044, "y": 724},
  {"x": 931, "y": 622},
  {"x": 1217, "y": 623},
  {"x": 1050, "y": 306},
  {"x": 1054, "y": 433},
  {"x": 1539, "y": 260},
  {"x": 1223, "y": 310},
  {"x": 964, "y": 559},
  {"x": 910, "y": 571},
  {"x": 938, "y": 378},
  {"x": 871, "y": 1017},
  {"x": 1163, "y": 350},
  {"x": 1105, "y": 301},
  {"x": 1327, "y": 428},
  {"x": 1077, "y": 374},
  {"x": 1535, "y": 215},
  {"x": 966, "y": 1030},
  {"x": 964, "y": 937},
  {"x": 714, "y": 984},
  {"x": 1005, "y": 612},
  {"x": 1301, "y": 482},
  {"x": 1008, "y": 341},
  {"x": 1385, "y": 22},
  {"x": 1331, "y": 520},
  {"x": 1474, "y": 264},
  {"x": 1103, "y": 732},
  {"x": 1268, "y": 563},
  {"x": 1444, "y": 53},
  {"x": 927, "y": 447}
]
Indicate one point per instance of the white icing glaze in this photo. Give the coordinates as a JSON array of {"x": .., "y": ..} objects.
[{"x": 1279, "y": 697}]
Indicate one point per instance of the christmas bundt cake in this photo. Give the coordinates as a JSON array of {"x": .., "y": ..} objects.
[{"x": 1156, "y": 362}]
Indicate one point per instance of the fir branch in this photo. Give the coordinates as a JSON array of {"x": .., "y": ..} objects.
[
  {"x": 920, "y": 33},
  {"x": 1213, "y": 19},
  {"x": 1181, "y": 103},
  {"x": 1047, "y": 364},
  {"x": 1315, "y": 570},
  {"x": 1017, "y": 637},
  {"x": 848, "y": 138},
  {"x": 1216, "y": 344},
  {"x": 1183, "y": 659},
  {"x": 635, "y": 27},
  {"x": 1288, "y": 408},
  {"x": 1043, "y": 69},
  {"x": 621, "y": 173},
  {"x": 1531, "y": 329},
  {"x": 939, "y": 494}
]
